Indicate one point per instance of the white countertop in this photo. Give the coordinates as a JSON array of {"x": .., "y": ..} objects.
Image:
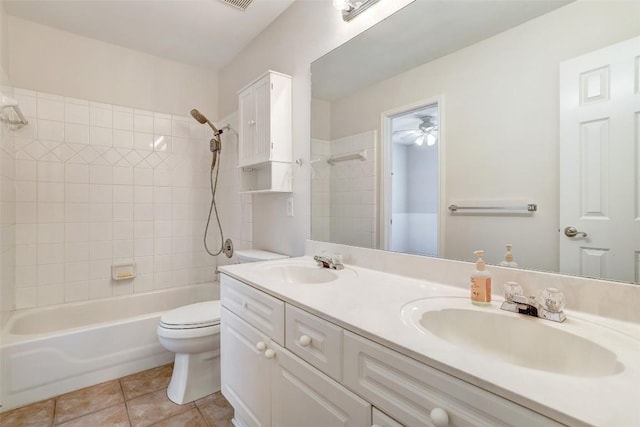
[{"x": 370, "y": 302}]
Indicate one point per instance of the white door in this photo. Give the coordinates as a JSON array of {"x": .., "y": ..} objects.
[
  {"x": 247, "y": 127},
  {"x": 600, "y": 163},
  {"x": 302, "y": 396},
  {"x": 262, "y": 143},
  {"x": 246, "y": 373}
]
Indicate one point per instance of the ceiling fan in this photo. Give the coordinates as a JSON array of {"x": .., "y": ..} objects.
[{"x": 427, "y": 131}]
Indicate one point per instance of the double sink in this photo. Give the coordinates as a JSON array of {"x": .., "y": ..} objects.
[{"x": 503, "y": 336}]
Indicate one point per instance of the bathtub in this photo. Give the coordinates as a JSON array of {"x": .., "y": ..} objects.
[{"x": 48, "y": 351}]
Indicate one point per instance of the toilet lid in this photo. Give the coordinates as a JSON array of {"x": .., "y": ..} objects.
[{"x": 191, "y": 316}]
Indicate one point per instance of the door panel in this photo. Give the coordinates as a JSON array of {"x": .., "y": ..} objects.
[
  {"x": 245, "y": 371},
  {"x": 599, "y": 161},
  {"x": 302, "y": 396}
]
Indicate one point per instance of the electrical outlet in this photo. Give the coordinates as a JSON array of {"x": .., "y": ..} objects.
[{"x": 290, "y": 206}]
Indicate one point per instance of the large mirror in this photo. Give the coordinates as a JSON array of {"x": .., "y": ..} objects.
[{"x": 459, "y": 103}]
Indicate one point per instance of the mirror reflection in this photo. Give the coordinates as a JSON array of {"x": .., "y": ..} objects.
[{"x": 487, "y": 102}]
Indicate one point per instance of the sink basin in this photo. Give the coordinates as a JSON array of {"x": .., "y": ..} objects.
[
  {"x": 512, "y": 338},
  {"x": 300, "y": 274}
]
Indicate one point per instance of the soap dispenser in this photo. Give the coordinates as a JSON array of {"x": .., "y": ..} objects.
[
  {"x": 480, "y": 282},
  {"x": 508, "y": 258}
]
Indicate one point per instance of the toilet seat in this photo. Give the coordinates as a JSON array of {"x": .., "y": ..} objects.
[{"x": 192, "y": 316}]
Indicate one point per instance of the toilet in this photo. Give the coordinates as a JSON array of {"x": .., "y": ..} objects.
[
  {"x": 192, "y": 332},
  {"x": 253, "y": 255}
]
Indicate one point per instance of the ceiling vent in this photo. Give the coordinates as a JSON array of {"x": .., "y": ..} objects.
[{"x": 238, "y": 4}]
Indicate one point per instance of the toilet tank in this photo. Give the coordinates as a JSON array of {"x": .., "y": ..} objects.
[{"x": 253, "y": 255}]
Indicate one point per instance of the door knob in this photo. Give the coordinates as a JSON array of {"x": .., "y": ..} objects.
[{"x": 573, "y": 232}]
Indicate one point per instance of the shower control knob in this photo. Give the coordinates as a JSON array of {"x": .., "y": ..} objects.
[
  {"x": 304, "y": 340},
  {"x": 269, "y": 354},
  {"x": 261, "y": 346}
]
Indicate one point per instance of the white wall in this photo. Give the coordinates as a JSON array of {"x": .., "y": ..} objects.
[
  {"x": 305, "y": 31},
  {"x": 49, "y": 60},
  {"x": 501, "y": 123}
]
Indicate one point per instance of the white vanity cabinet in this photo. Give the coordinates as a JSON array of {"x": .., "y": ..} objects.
[
  {"x": 265, "y": 120},
  {"x": 268, "y": 385},
  {"x": 307, "y": 371}
]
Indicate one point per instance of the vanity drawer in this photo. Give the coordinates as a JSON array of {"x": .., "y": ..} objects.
[
  {"x": 315, "y": 340},
  {"x": 408, "y": 390},
  {"x": 260, "y": 310},
  {"x": 380, "y": 419}
]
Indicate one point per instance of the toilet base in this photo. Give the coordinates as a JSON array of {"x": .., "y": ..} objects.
[{"x": 194, "y": 376}]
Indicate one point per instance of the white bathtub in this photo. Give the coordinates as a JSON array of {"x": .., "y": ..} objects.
[{"x": 52, "y": 350}]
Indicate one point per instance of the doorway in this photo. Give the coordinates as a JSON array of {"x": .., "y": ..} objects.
[{"x": 411, "y": 187}]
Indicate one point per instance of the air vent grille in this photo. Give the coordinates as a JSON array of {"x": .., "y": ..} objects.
[{"x": 238, "y": 4}]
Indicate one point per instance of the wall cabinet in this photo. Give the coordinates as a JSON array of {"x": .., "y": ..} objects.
[
  {"x": 265, "y": 120},
  {"x": 306, "y": 371},
  {"x": 267, "y": 177}
]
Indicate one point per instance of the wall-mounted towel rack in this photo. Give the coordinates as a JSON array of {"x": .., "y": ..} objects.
[
  {"x": 8, "y": 104},
  {"x": 495, "y": 208},
  {"x": 360, "y": 155}
]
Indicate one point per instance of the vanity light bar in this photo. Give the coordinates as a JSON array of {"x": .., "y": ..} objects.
[{"x": 354, "y": 8}]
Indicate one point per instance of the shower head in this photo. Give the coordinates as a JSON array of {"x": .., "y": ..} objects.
[{"x": 200, "y": 118}]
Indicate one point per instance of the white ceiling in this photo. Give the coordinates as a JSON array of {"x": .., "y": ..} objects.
[{"x": 206, "y": 33}]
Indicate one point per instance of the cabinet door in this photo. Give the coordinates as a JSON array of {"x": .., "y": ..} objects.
[
  {"x": 246, "y": 373},
  {"x": 247, "y": 127},
  {"x": 262, "y": 132},
  {"x": 303, "y": 396}
]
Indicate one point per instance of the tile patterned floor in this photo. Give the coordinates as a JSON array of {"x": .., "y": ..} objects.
[{"x": 138, "y": 400}]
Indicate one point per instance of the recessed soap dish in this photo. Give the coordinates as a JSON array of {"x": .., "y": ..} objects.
[{"x": 123, "y": 271}]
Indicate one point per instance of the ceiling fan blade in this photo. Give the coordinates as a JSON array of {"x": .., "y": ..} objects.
[
  {"x": 404, "y": 133},
  {"x": 411, "y": 137}
]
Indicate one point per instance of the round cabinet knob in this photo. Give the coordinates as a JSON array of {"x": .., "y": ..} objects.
[
  {"x": 439, "y": 417},
  {"x": 304, "y": 340},
  {"x": 261, "y": 346},
  {"x": 269, "y": 354}
]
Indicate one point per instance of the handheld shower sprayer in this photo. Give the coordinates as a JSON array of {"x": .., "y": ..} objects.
[{"x": 215, "y": 146}]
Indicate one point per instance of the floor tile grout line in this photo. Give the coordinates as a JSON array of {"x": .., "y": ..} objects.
[
  {"x": 126, "y": 405},
  {"x": 206, "y": 421}
]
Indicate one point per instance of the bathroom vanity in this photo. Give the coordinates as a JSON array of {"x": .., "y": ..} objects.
[{"x": 310, "y": 346}]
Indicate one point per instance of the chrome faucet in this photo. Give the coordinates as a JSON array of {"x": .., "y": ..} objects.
[
  {"x": 549, "y": 308},
  {"x": 333, "y": 263}
]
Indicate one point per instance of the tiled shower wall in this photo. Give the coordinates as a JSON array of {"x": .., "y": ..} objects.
[
  {"x": 343, "y": 199},
  {"x": 98, "y": 184},
  {"x": 320, "y": 190},
  {"x": 7, "y": 215},
  {"x": 353, "y": 192}
]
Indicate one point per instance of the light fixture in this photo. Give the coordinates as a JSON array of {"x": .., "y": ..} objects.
[
  {"x": 427, "y": 131},
  {"x": 352, "y": 8}
]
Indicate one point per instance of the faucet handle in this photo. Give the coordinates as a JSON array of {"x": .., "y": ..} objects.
[
  {"x": 552, "y": 299},
  {"x": 512, "y": 289}
]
